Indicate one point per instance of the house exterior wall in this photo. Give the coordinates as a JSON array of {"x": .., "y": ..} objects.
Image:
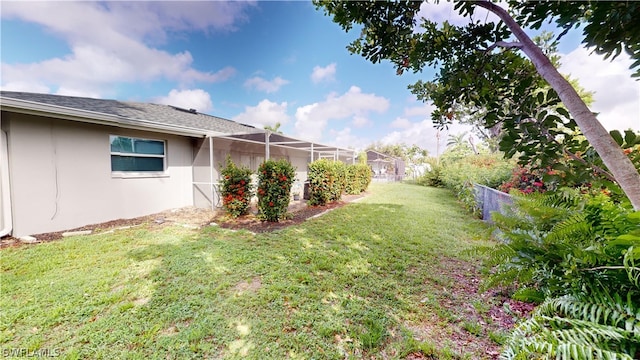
[
  {"x": 60, "y": 174},
  {"x": 243, "y": 153}
]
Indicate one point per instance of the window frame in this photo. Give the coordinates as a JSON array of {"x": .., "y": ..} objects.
[{"x": 138, "y": 173}]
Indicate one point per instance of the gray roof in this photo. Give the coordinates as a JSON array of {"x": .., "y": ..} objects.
[{"x": 160, "y": 114}]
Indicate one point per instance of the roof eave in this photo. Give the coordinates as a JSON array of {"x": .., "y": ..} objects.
[{"x": 94, "y": 117}]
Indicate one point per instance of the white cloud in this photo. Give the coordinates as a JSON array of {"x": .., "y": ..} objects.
[
  {"x": 108, "y": 42},
  {"x": 265, "y": 85},
  {"x": 265, "y": 113},
  {"x": 422, "y": 110},
  {"x": 66, "y": 91},
  {"x": 400, "y": 123},
  {"x": 312, "y": 119},
  {"x": 443, "y": 11},
  {"x": 425, "y": 135},
  {"x": 343, "y": 138},
  {"x": 188, "y": 99},
  {"x": 326, "y": 73},
  {"x": 360, "y": 121},
  {"x": 24, "y": 86},
  {"x": 617, "y": 95}
]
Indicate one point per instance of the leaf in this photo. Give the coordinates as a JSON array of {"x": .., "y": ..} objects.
[
  {"x": 562, "y": 111},
  {"x": 615, "y": 134},
  {"x": 630, "y": 138}
]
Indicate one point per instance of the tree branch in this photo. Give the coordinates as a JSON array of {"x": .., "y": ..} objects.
[
  {"x": 596, "y": 168},
  {"x": 506, "y": 45},
  {"x": 610, "y": 152}
]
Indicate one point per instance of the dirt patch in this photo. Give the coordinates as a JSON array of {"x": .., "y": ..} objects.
[
  {"x": 477, "y": 318},
  {"x": 187, "y": 216},
  {"x": 192, "y": 217},
  {"x": 248, "y": 286},
  {"x": 252, "y": 223}
]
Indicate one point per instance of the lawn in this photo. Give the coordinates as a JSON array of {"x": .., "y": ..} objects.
[{"x": 385, "y": 277}]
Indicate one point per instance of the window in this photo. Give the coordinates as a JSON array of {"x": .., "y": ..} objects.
[{"x": 133, "y": 154}]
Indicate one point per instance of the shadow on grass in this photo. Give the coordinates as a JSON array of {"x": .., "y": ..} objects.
[{"x": 337, "y": 286}]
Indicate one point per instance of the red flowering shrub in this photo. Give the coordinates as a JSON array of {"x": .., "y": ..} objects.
[
  {"x": 633, "y": 153},
  {"x": 235, "y": 187},
  {"x": 525, "y": 180},
  {"x": 274, "y": 188}
]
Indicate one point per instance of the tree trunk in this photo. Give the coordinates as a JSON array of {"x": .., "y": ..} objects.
[{"x": 610, "y": 152}]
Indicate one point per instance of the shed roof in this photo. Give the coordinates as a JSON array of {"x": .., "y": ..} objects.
[{"x": 373, "y": 155}]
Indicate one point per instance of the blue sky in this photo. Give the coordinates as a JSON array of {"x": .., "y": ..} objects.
[{"x": 254, "y": 62}]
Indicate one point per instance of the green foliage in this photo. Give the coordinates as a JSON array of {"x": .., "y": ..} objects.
[
  {"x": 327, "y": 181},
  {"x": 432, "y": 177},
  {"x": 566, "y": 243},
  {"x": 484, "y": 169},
  {"x": 568, "y": 327},
  {"x": 274, "y": 188},
  {"x": 275, "y": 128},
  {"x": 526, "y": 181},
  {"x": 610, "y": 27},
  {"x": 413, "y": 155},
  {"x": 340, "y": 169},
  {"x": 235, "y": 188},
  {"x": 504, "y": 87},
  {"x": 357, "y": 177}
]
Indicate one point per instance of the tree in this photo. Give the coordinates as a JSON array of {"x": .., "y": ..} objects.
[
  {"x": 394, "y": 150},
  {"x": 502, "y": 82},
  {"x": 414, "y": 156},
  {"x": 457, "y": 140},
  {"x": 274, "y": 129}
]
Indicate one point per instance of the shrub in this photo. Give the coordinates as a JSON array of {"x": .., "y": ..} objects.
[
  {"x": 578, "y": 327},
  {"x": 274, "y": 188},
  {"x": 432, "y": 177},
  {"x": 358, "y": 178},
  {"x": 525, "y": 180},
  {"x": 566, "y": 243},
  {"x": 235, "y": 187},
  {"x": 363, "y": 176},
  {"x": 326, "y": 181},
  {"x": 485, "y": 169},
  {"x": 340, "y": 184},
  {"x": 579, "y": 253}
]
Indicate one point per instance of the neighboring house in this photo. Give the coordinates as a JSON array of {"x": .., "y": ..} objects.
[
  {"x": 67, "y": 162},
  {"x": 385, "y": 167}
]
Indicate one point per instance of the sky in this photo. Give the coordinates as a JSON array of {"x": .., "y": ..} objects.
[{"x": 257, "y": 63}]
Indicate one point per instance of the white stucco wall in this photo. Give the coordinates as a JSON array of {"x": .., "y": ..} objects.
[{"x": 60, "y": 173}]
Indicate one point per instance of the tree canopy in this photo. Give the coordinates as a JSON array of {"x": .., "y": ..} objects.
[{"x": 497, "y": 69}]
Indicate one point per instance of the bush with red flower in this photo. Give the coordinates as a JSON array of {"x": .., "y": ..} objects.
[
  {"x": 525, "y": 180},
  {"x": 275, "y": 178},
  {"x": 235, "y": 188}
]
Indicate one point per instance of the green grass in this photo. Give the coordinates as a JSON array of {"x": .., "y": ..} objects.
[{"x": 351, "y": 283}]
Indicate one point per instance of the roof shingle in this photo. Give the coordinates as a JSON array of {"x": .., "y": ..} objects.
[{"x": 160, "y": 114}]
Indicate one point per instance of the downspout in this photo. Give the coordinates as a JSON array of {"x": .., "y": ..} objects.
[
  {"x": 5, "y": 187},
  {"x": 211, "y": 168},
  {"x": 311, "y": 152}
]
